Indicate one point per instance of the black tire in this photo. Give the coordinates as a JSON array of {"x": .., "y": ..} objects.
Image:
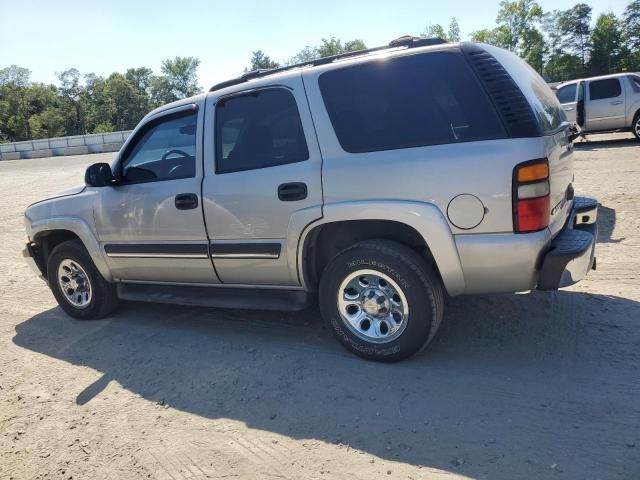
[
  {"x": 103, "y": 299},
  {"x": 635, "y": 126},
  {"x": 417, "y": 280}
]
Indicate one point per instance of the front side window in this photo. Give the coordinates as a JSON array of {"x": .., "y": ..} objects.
[
  {"x": 164, "y": 150},
  {"x": 258, "y": 130},
  {"x": 411, "y": 101},
  {"x": 567, "y": 94},
  {"x": 607, "y": 88}
]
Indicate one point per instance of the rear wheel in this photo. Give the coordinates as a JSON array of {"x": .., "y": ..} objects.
[
  {"x": 381, "y": 300},
  {"x": 76, "y": 283}
]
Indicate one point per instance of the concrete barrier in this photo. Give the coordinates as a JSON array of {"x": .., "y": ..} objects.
[
  {"x": 73, "y": 145},
  {"x": 44, "y": 152},
  {"x": 79, "y": 150}
]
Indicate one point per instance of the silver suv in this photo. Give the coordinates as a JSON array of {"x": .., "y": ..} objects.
[
  {"x": 603, "y": 104},
  {"x": 375, "y": 182}
]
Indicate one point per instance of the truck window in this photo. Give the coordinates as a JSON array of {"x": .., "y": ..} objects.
[
  {"x": 164, "y": 149},
  {"x": 607, "y": 88},
  {"x": 258, "y": 130},
  {"x": 411, "y": 101},
  {"x": 567, "y": 94},
  {"x": 635, "y": 83}
]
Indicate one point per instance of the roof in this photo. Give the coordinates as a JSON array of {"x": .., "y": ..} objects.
[
  {"x": 599, "y": 77},
  {"x": 399, "y": 43}
]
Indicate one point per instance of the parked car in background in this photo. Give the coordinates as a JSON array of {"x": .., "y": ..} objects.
[
  {"x": 374, "y": 182},
  {"x": 603, "y": 104}
]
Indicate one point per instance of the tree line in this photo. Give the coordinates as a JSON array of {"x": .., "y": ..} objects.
[
  {"x": 560, "y": 45},
  {"x": 93, "y": 104}
]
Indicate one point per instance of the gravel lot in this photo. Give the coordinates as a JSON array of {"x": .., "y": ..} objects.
[{"x": 536, "y": 386}]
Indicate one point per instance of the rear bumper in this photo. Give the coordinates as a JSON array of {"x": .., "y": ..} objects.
[{"x": 571, "y": 253}]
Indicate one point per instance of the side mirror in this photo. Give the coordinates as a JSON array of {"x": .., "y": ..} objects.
[{"x": 99, "y": 175}]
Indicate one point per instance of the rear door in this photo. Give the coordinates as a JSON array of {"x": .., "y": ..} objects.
[
  {"x": 262, "y": 182},
  {"x": 567, "y": 96},
  {"x": 605, "y": 105}
]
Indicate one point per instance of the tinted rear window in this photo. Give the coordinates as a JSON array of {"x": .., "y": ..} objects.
[
  {"x": 608, "y": 88},
  {"x": 411, "y": 101},
  {"x": 259, "y": 130}
]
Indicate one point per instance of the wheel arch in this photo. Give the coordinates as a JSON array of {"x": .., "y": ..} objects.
[
  {"x": 418, "y": 225},
  {"x": 49, "y": 233}
]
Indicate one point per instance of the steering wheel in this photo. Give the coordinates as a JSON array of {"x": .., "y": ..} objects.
[
  {"x": 179, "y": 152},
  {"x": 175, "y": 167}
]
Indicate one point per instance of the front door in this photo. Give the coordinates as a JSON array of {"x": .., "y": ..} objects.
[
  {"x": 605, "y": 107},
  {"x": 262, "y": 182},
  {"x": 150, "y": 224}
]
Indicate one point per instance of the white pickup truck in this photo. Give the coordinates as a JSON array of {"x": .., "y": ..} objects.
[{"x": 603, "y": 104}]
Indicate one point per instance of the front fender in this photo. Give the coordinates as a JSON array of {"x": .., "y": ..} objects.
[
  {"x": 79, "y": 227},
  {"x": 425, "y": 218},
  {"x": 631, "y": 112}
]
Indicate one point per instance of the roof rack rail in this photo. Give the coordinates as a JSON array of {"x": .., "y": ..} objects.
[{"x": 406, "y": 41}]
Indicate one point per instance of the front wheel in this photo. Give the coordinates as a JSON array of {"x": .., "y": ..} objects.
[
  {"x": 381, "y": 300},
  {"x": 635, "y": 128},
  {"x": 76, "y": 283}
]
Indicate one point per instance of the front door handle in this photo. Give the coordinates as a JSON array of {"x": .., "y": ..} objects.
[
  {"x": 186, "y": 201},
  {"x": 617, "y": 102},
  {"x": 290, "y": 192}
]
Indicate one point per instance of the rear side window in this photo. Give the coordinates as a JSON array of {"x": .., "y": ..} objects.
[
  {"x": 567, "y": 94},
  {"x": 411, "y": 101},
  {"x": 258, "y": 130},
  {"x": 608, "y": 88}
]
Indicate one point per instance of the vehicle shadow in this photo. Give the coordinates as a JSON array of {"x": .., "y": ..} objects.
[
  {"x": 599, "y": 142},
  {"x": 512, "y": 385},
  {"x": 607, "y": 224}
]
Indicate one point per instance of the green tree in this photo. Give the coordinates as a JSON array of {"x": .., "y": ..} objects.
[
  {"x": 533, "y": 49},
  {"x": 631, "y": 36},
  {"x": 454, "y": 30},
  {"x": 261, "y": 61},
  {"x": 551, "y": 27},
  {"x": 576, "y": 31},
  {"x": 46, "y": 119},
  {"x": 14, "y": 103},
  {"x": 328, "y": 47},
  {"x": 99, "y": 108},
  {"x": 498, "y": 36},
  {"x": 606, "y": 45},
  {"x": 333, "y": 46},
  {"x": 435, "y": 31},
  {"x": 518, "y": 19},
  {"x": 71, "y": 107},
  {"x": 182, "y": 76}
]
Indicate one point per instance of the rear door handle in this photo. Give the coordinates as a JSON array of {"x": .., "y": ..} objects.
[
  {"x": 290, "y": 192},
  {"x": 617, "y": 102},
  {"x": 186, "y": 201}
]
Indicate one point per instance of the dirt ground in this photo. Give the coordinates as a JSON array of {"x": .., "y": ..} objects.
[{"x": 528, "y": 386}]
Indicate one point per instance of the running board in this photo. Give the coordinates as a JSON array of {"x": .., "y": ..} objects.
[{"x": 216, "y": 297}]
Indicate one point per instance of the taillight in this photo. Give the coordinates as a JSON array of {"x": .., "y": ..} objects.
[{"x": 531, "y": 196}]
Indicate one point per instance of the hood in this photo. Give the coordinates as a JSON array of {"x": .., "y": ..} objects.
[{"x": 65, "y": 193}]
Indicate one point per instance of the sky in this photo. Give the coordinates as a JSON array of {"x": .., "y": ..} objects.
[{"x": 112, "y": 35}]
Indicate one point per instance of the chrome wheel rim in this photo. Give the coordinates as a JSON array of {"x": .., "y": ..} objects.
[
  {"x": 373, "y": 306},
  {"x": 74, "y": 283},
  {"x": 637, "y": 127}
]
